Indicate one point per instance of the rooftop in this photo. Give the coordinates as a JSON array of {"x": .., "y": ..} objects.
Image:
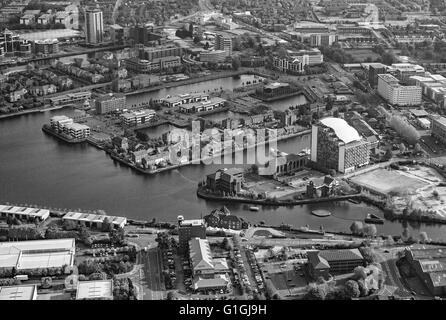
[
  {"x": 440, "y": 120},
  {"x": 200, "y": 254},
  {"x": 101, "y": 289},
  {"x": 342, "y": 129},
  {"x": 18, "y": 293},
  {"x": 87, "y": 217},
  {"x": 32, "y": 212}
]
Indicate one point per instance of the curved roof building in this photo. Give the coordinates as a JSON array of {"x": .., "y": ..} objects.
[{"x": 342, "y": 129}]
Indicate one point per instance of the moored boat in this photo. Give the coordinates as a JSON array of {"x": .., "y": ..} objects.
[
  {"x": 321, "y": 213},
  {"x": 253, "y": 208},
  {"x": 374, "y": 219}
]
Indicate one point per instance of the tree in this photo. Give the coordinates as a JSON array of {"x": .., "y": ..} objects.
[
  {"x": 316, "y": 292},
  {"x": 389, "y": 241},
  {"x": 423, "y": 237},
  {"x": 417, "y": 148},
  {"x": 171, "y": 295},
  {"x": 69, "y": 225},
  {"x": 352, "y": 289},
  {"x": 368, "y": 254},
  {"x": 404, "y": 129},
  {"x": 356, "y": 228},
  {"x": 236, "y": 63},
  {"x": 370, "y": 230},
  {"x": 388, "y": 58},
  {"x": 388, "y": 155},
  {"x": 406, "y": 233},
  {"x": 362, "y": 288},
  {"x": 360, "y": 272},
  {"x": 402, "y": 147},
  {"x": 107, "y": 226}
]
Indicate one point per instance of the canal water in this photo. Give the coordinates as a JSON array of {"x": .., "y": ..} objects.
[{"x": 37, "y": 169}]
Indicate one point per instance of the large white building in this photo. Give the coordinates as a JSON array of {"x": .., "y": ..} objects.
[
  {"x": 95, "y": 290},
  {"x": 18, "y": 293},
  {"x": 95, "y": 220},
  {"x": 337, "y": 145},
  {"x": 94, "y": 26},
  {"x": 396, "y": 94},
  {"x": 136, "y": 118},
  {"x": 23, "y": 255}
]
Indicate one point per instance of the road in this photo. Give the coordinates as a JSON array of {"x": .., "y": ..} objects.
[
  {"x": 150, "y": 275},
  {"x": 392, "y": 281},
  {"x": 115, "y": 10}
]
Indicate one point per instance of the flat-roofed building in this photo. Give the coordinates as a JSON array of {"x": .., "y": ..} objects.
[
  {"x": 23, "y": 213},
  {"x": 224, "y": 43},
  {"x": 95, "y": 290},
  {"x": 95, "y": 220},
  {"x": 186, "y": 98},
  {"x": 77, "y": 130},
  {"x": 110, "y": 102},
  {"x": 201, "y": 106},
  {"x": 373, "y": 70},
  {"x": 337, "y": 145},
  {"x": 24, "y": 255},
  {"x": 18, "y": 293},
  {"x": 324, "y": 262},
  {"x": 396, "y": 94},
  {"x": 70, "y": 98},
  {"x": 439, "y": 128},
  {"x": 135, "y": 118},
  {"x": 189, "y": 229},
  {"x": 213, "y": 56},
  {"x": 59, "y": 122}
]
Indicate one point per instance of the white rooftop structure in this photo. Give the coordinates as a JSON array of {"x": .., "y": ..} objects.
[
  {"x": 23, "y": 212},
  {"x": 18, "y": 293},
  {"x": 192, "y": 222},
  {"x": 37, "y": 254},
  {"x": 97, "y": 219},
  {"x": 342, "y": 129},
  {"x": 101, "y": 289}
]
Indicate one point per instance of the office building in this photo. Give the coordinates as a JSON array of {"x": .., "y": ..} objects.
[
  {"x": 136, "y": 118},
  {"x": 48, "y": 46},
  {"x": 374, "y": 70},
  {"x": 148, "y": 66},
  {"x": 396, "y": 94},
  {"x": 94, "y": 26},
  {"x": 201, "y": 106},
  {"x": 224, "y": 43},
  {"x": 117, "y": 34},
  {"x": 338, "y": 146},
  {"x": 323, "y": 39},
  {"x": 189, "y": 229},
  {"x": 213, "y": 56},
  {"x": 150, "y": 53},
  {"x": 110, "y": 102},
  {"x": 226, "y": 180},
  {"x": 77, "y": 130},
  {"x": 325, "y": 262},
  {"x": 439, "y": 128}
]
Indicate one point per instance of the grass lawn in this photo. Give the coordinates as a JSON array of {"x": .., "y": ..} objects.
[
  {"x": 361, "y": 55},
  {"x": 385, "y": 181}
]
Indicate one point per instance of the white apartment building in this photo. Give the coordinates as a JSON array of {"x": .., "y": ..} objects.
[
  {"x": 59, "y": 122},
  {"x": 396, "y": 94},
  {"x": 77, "y": 130},
  {"x": 136, "y": 118}
]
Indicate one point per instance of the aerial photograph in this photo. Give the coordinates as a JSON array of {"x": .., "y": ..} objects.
[{"x": 235, "y": 150}]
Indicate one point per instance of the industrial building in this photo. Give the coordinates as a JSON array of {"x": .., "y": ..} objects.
[
  {"x": 18, "y": 293},
  {"x": 23, "y": 213},
  {"x": 95, "y": 220},
  {"x": 337, "y": 145},
  {"x": 95, "y": 290},
  {"x": 25, "y": 255}
]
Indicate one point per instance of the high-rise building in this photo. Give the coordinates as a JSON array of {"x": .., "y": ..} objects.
[
  {"x": 117, "y": 34},
  {"x": 337, "y": 145},
  {"x": 190, "y": 229},
  {"x": 322, "y": 39},
  {"x": 94, "y": 26},
  {"x": 396, "y": 94},
  {"x": 223, "y": 43}
]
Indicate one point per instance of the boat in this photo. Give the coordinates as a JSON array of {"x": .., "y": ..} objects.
[
  {"x": 374, "y": 219},
  {"x": 253, "y": 208},
  {"x": 321, "y": 213},
  {"x": 355, "y": 201}
]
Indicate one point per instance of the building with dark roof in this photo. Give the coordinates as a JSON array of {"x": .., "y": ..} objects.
[
  {"x": 430, "y": 266},
  {"x": 226, "y": 180},
  {"x": 222, "y": 218},
  {"x": 322, "y": 263}
]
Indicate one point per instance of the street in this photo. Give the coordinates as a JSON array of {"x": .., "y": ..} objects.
[{"x": 150, "y": 275}]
